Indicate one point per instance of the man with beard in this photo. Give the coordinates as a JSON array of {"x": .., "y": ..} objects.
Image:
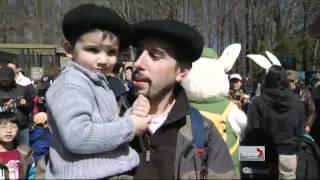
[{"x": 166, "y": 50}]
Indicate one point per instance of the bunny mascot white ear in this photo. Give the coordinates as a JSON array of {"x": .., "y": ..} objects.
[
  {"x": 274, "y": 60},
  {"x": 260, "y": 60},
  {"x": 229, "y": 56},
  {"x": 207, "y": 79},
  {"x": 263, "y": 62}
]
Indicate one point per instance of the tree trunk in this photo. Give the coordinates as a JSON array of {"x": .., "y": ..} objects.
[
  {"x": 247, "y": 34},
  {"x": 205, "y": 24}
]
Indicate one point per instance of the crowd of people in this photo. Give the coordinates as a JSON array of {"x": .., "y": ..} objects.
[{"x": 177, "y": 113}]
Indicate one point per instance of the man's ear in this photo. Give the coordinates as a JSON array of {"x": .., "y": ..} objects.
[
  {"x": 68, "y": 47},
  {"x": 182, "y": 73}
]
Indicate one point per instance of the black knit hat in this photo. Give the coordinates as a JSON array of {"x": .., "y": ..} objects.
[
  {"x": 183, "y": 37},
  {"x": 89, "y": 17},
  {"x": 6, "y": 73}
]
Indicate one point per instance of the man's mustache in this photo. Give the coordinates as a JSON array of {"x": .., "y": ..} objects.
[{"x": 138, "y": 76}]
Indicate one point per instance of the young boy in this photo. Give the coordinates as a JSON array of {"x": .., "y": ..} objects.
[
  {"x": 90, "y": 141},
  {"x": 15, "y": 159}
]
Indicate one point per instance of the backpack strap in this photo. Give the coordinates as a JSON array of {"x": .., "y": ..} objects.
[
  {"x": 197, "y": 130},
  {"x": 198, "y": 133}
]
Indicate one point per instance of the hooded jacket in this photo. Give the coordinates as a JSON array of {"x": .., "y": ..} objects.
[{"x": 280, "y": 115}]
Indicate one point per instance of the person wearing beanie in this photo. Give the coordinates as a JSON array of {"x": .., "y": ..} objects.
[
  {"x": 165, "y": 52},
  {"x": 90, "y": 140},
  {"x": 305, "y": 96}
]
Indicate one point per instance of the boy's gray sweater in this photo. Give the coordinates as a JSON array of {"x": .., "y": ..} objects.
[{"x": 90, "y": 141}]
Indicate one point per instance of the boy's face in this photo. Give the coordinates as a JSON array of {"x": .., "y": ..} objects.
[
  {"x": 96, "y": 51},
  {"x": 155, "y": 69},
  {"x": 8, "y": 131}
]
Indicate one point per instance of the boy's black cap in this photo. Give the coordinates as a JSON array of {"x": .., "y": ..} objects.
[
  {"x": 183, "y": 37},
  {"x": 88, "y": 17}
]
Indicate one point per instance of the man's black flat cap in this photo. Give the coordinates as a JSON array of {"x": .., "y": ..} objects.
[
  {"x": 183, "y": 37},
  {"x": 89, "y": 17}
]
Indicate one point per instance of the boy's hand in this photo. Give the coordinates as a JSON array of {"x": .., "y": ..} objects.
[
  {"x": 140, "y": 123},
  {"x": 141, "y": 106},
  {"x": 139, "y": 114}
]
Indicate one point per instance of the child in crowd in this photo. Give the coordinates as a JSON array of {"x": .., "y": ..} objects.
[
  {"x": 40, "y": 136},
  {"x": 15, "y": 160},
  {"x": 40, "y": 139},
  {"x": 90, "y": 140}
]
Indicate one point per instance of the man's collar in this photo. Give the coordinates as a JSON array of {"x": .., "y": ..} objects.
[{"x": 180, "y": 108}]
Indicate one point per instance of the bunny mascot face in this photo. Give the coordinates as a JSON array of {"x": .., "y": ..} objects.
[{"x": 207, "y": 87}]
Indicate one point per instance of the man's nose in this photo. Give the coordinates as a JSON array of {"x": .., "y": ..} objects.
[{"x": 139, "y": 63}]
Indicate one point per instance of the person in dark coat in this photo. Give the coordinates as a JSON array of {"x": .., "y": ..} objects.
[
  {"x": 276, "y": 120},
  {"x": 315, "y": 130},
  {"x": 305, "y": 96}
]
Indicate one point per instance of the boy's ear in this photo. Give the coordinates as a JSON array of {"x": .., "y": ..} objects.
[{"x": 68, "y": 47}]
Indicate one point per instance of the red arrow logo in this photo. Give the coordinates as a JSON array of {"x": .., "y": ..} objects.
[{"x": 259, "y": 152}]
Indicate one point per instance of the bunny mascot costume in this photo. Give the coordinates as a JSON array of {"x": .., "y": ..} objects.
[{"x": 207, "y": 87}]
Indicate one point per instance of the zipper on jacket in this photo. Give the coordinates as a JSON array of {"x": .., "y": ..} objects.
[{"x": 147, "y": 143}]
